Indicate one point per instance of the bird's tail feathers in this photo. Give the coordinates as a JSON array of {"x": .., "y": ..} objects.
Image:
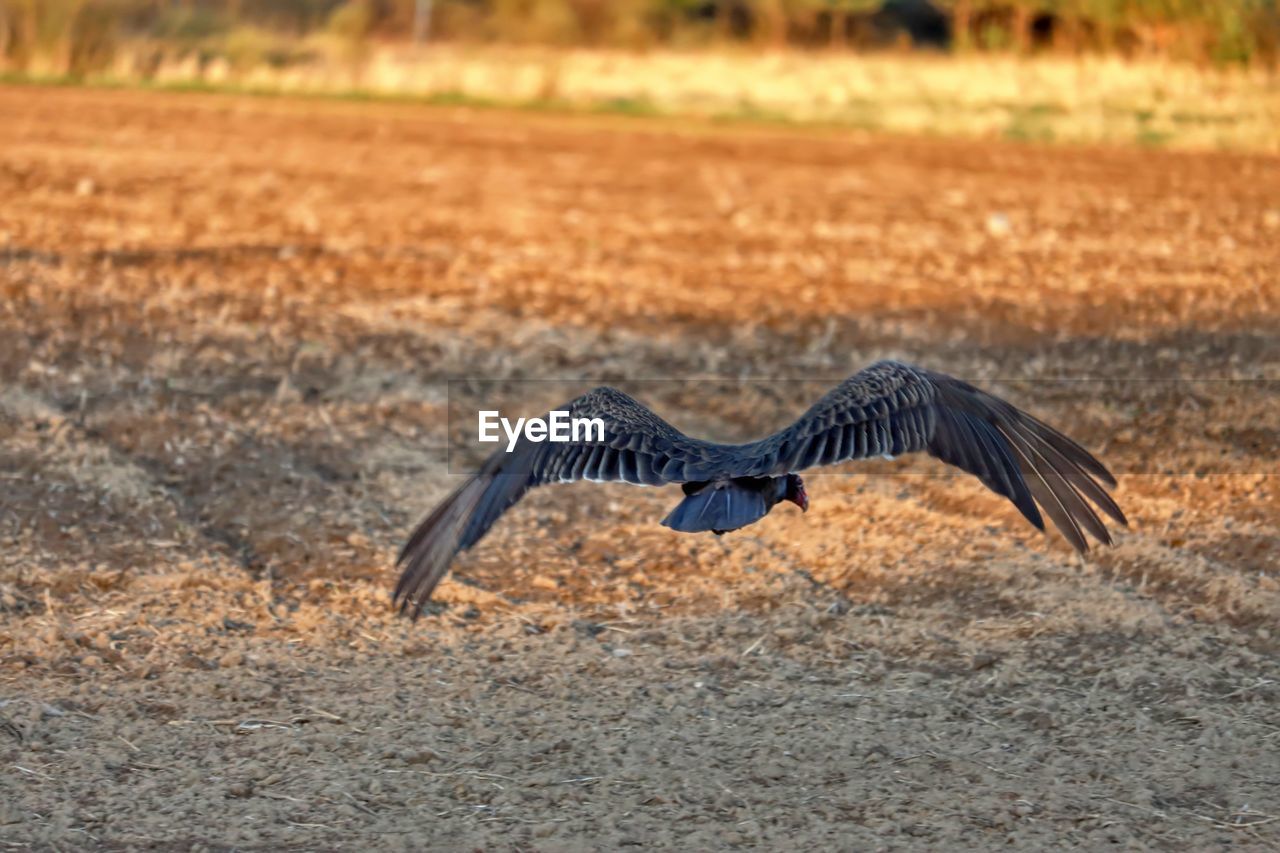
[{"x": 719, "y": 507}]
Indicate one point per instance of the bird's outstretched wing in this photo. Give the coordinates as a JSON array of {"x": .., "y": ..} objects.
[
  {"x": 638, "y": 447},
  {"x": 887, "y": 409},
  {"x": 892, "y": 408}
]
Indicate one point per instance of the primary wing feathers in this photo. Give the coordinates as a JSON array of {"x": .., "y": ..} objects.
[{"x": 887, "y": 409}]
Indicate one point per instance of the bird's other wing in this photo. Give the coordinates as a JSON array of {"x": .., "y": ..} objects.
[
  {"x": 637, "y": 447},
  {"x": 892, "y": 408}
]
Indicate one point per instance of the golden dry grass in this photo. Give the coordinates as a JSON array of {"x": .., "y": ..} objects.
[{"x": 1088, "y": 99}]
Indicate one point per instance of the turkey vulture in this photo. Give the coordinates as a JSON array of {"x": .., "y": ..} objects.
[{"x": 887, "y": 409}]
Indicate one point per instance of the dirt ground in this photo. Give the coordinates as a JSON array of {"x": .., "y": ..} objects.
[{"x": 226, "y": 330}]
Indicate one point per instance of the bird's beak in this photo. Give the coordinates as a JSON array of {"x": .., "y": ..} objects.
[{"x": 802, "y": 501}]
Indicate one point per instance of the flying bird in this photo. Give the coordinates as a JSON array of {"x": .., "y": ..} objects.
[{"x": 887, "y": 409}]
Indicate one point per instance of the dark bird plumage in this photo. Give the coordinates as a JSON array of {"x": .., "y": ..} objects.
[
  {"x": 724, "y": 505},
  {"x": 887, "y": 409}
]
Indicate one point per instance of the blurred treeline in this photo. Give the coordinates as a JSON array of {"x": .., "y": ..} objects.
[{"x": 81, "y": 36}]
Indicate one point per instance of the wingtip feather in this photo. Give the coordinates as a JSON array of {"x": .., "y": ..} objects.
[{"x": 1063, "y": 478}]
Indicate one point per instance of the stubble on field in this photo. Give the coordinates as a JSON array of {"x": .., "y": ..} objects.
[{"x": 228, "y": 325}]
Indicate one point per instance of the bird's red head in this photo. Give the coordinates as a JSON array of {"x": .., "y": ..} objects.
[{"x": 796, "y": 493}]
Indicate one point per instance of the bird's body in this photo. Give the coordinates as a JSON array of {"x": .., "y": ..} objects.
[
  {"x": 724, "y": 505},
  {"x": 887, "y": 409}
]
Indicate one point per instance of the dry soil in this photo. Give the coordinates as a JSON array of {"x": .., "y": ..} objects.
[{"x": 226, "y": 330}]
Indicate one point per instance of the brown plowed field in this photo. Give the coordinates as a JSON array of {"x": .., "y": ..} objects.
[{"x": 226, "y": 326}]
